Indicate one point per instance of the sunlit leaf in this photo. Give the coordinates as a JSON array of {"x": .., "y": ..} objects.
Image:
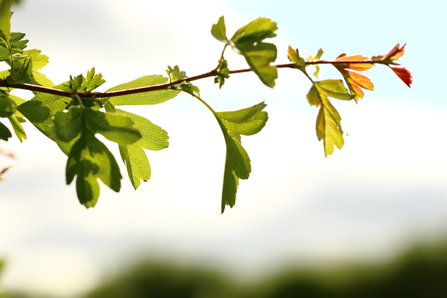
[
  {"x": 223, "y": 73},
  {"x": 88, "y": 83},
  {"x": 353, "y": 66},
  {"x": 116, "y": 128},
  {"x": 255, "y": 31},
  {"x": 68, "y": 125},
  {"x": 5, "y": 19},
  {"x": 90, "y": 160},
  {"x": 294, "y": 56},
  {"x": 248, "y": 41},
  {"x": 137, "y": 164},
  {"x": 219, "y": 30},
  {"x": 16, "y": 43},
  {"x": 393, "y": 55},
  {"x": 153, "y": 137},
  {"x": 329, "y": 129},
  {"x": 403, "y": 74},
  {"x": 6, "y": 105},
  {"x": 18, "y": 128},
  {"x": 237, "y": 162},
  {"x": 247, "y": 121},
  {"x": 333, "y": 88},
  {"x": 147, "y": 98},
  {"x": 355, "y": 81}
]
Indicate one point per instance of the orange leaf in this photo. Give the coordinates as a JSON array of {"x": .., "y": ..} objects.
[
  {"x": 361, "y": 80},
  {"x": 354, "y": 66},
  {"x": 403, "y": 74}
]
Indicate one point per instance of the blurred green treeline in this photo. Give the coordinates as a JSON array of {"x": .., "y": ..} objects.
[{"x": 420, "y": 272}]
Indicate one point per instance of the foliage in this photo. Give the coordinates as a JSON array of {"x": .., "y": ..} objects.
[{"x": 72, "y": 114}]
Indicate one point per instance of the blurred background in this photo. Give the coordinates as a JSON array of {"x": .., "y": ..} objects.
[{"x": 369, "y": 220}]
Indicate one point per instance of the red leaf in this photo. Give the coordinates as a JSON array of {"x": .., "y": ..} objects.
[{"x": 403, "y": 74}]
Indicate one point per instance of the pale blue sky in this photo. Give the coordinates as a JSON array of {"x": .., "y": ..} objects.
[{"x": 367, "y": 201}]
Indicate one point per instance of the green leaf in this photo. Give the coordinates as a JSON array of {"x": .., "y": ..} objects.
[
  {"x": 237, "y": 166},
  {"x": 237, "y": 162},
  {"x": 40, "y": 110},
  {"x": 219, "y": 31},
  {"x": 314, "y": 58},
  {"x": 329, "y": 129},
  {"x": 333, "y": 88},
  {"x": 16, "y": 44},
  {"x": 247, "y": 121},
  {"x": 137, "y": 164},
  {"x": 90, "y": 160},
  {"x": 314, "y": 97},
  {"x": 18, "y": 128},
  {"x": 116, "y": 128},
  {"x": 223, "y": 73},
  {"x": 328, "y": 126},
  {"x": 22, "y": 71},
  {"x": 6, "y": 105},
  {"x": 190, "y": 88},
  {"x": 153, "y": 137},
  {"x": 68, "y": 125},
  {"x": 255, "y": 31},
  {"x": 148, "y": 98},
  {"x": 39, "y": 60},
  {"x": 259, "y": 56},
  {"x": 5, "y": 134},
  {"x": 5, "y": 19},
  {"x": 294, "y": 57},
  {"x": 86, "y": 83},
  {"x": 175, "y": 74},
  {"x": 248, "y": 42}
]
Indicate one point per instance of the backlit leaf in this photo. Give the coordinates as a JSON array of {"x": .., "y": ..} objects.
[
  {"x": 333, "y": 88},
  {"x": 294, "y": 56},
  {"x": 255, "y": 31},
  {"x": 68, "y": 125},
  {"x": 6, "y": 105},
  {"x": 259, "y": 55},
  {"x": 219, "y": 30},
  {"x": 16, "y": 43},
  {"x": 247, "y": 121},
  {"x": 40, "y": 110},
  {"x": 153, "y": 137},
  {"x": 137, "y": 164},
  {"x": 5, "y": 19},
  {"x": 237, "y": 162},
  {"x": 147, "y": 98},
  {"x": 116, "y": 128},
  {"x": 403, "y": 74},
  {"x": 328, "y": 128},
  {"x": 18, "y": 128},
  {"x": 355, "y": 81},
  {"x": 90, "y": 160},
  {"x": 354, "y": 66}
]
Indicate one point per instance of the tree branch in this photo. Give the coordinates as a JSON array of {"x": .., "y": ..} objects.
[{"x": 37, "y": 88}]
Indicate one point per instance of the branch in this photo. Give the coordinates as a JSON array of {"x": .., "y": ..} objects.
[{"x": 37, "y": 88}]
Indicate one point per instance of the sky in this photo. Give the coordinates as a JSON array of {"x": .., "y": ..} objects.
[{"x": 366, "y": 202}]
